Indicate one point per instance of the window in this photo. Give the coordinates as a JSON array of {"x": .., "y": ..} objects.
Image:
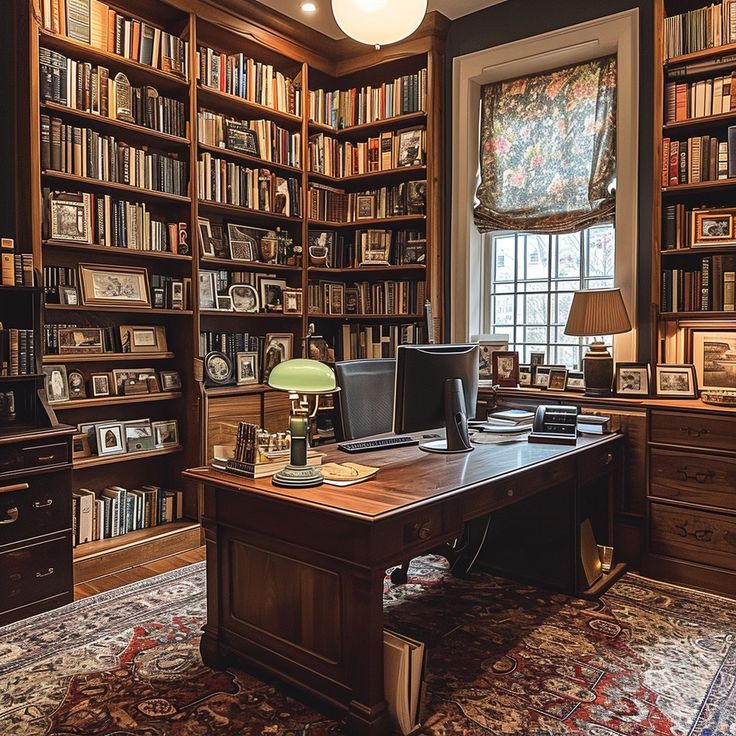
[{"x": 529, "y": 280}]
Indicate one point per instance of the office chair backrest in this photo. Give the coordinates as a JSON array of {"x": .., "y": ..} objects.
[{"x": 366, "y": 401}]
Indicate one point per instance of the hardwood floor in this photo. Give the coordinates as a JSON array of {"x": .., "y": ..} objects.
[{"x": 133, "y": 575}]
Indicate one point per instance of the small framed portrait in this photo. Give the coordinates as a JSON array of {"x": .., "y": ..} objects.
[
  {"x": 271, "y": 294},
  {"x": 244, "y": 298},
  {"x": 88, "y": 428},
  {"x": 676, "y": 381},
  {"x": 505, "y": 368},
  {"x": 239, "y": 137},
  {"x": 68, "y": 295},
  {"x": 557, "y": 379},
  {"x": 204, "y": 232},
  {"x": 143, "y": 338},
  {"x": 218, "y": 369},
  {"x": 152, "y": 384},
  {"x": 293, "y": 301},
  {"x": 525, "y": 375},
  {"x": 78, "y": 340},
  {"x": 713, "y": 227},
  {"x": 246, "y": 368},
  {"x": 224, "y": 303},
  {"x": 243, "y": 242},
  {"x": 100, "y": 385},
  {"x": 114, "y": 285},
  {"x": 277, "y": 347},
  {"x": 487, "y": 345},
  {"x": 713, "y": 352},
  {"x": 110, "y": 438},
  {"x": 77, "y": 389},
  {"x": 411, "y": 147},
  {"x": 80, "y": 446},
  {"x": 540, "y": 376},
  {"x": 165, "y": 433},
  {"x": 177, "y": 293},
  {"x": 536, "y": 358},
  {"x": 170, "y": 381},
  {"x": 575, "y": 381},
  {"x": 317, "y": 348},
  {"x": 207, "y": 290},
  {"x": 57, "y": 385},
  {"x": 632, "y": 379},
  {"x": 138, "y": 435},
  {"x": 416, "y": 197},
  {"x": 365, "y": 206}
]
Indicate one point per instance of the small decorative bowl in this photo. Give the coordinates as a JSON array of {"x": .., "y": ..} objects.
[{"x": 721, "y": 398}]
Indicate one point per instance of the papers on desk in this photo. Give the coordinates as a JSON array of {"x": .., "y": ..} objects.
[
  {"x": 347, "y": 474},
  {"x": 403, "y": 679}
]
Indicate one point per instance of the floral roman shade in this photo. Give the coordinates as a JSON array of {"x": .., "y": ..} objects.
[{"x": 548, "y": 150}]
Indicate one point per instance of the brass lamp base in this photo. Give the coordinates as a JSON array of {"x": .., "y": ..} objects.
[
  {"x": 598, "y": 370},
  {"x": 298, "y": 476}
]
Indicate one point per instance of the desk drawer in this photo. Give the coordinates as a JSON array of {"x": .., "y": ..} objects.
[
  {"x": 420, "y": 529},
  {"x": 696, "y": 536},
  {"x": 38, "y": 505},
  {"x": 693, "y": 478},
  {"x": 33, "y": 455},
  {"x": 595, "y": 465},
  {"x": 694, "y": 430}
]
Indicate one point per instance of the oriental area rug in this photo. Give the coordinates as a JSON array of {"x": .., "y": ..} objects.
[{"x": 503, "y": 658}]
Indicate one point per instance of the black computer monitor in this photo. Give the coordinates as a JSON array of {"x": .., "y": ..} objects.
[{"x": 436, "y": 386}]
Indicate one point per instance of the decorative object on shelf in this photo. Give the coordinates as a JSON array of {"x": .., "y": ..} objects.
[
  {"x": 713, "y": 227},
  {"x": 277, "y": 348},
  {"x": 365, "y": 207},
  {"x": 80, "y": 446},
  {"x": 375, "y": 249},
  {"x": 487, "y": 346},
  {"x": 269, "y": 246},
  {"x": 246, "y": 368},
  {"x": 76, "y": 385},
  {"x": 69, "y": 217},
  {"x": 632, "y": 379},
  {"x": 575, "y": 381},
  {"x": 718, "y": 398},
  {"x": 114, "y": 285},
  {"x": 109, "y": 436},
  {"x": 135, "y": 386},
  {"x": 7, "y": 407},
  {"x": 320, "y": 243},
  {"x": 557, "y": 379},
  {"x": 143, "y": 338},
  {"x": 244, "y": 298},
  {"x": 170, "y": 381},
  {"x": 137, "y": 377},
  {"x": 411, "y": 149},
  {"x": 505, "y": 368},
  {"x": 293, "y": 300},
  {"x": 240, "y": 138},
  {"x": 596, "y": 312},
  {"x": 100, "y": 384},
  {"x": 713, "y": 351},
  {"x": 379, "y": 22},
  {"x": 207, "y": 290},
  {"x": 243, "y": 242},
  {"x": 541, "y": 376},
  {"x": 80, "y": 340},
  {"x": 676, "y": 381},
  {"x": 224, "y": 303},
  {"x": 525, "y": 374},
  {"x": 138, "y": 435},
  {"x": 57, "y": 385},
  {"x": 204, "y": 232},
  {"x": 68, "y": 295},
  {"x": 271, "y": 294},
  {"x": 165, "y": 433},
  {"x": 152, "y": 384},
  {"x": 218, "y": 369},
  {"x": 416, "y": 197},
  {"x": 301, "y": 378}
]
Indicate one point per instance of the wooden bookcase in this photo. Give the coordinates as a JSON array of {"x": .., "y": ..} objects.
[{"x": 207, "y": 415}]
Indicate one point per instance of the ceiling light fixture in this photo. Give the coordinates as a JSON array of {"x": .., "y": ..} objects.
[
  {"x": 379, "y": 22},
  {"x": 309, "y": 7}
]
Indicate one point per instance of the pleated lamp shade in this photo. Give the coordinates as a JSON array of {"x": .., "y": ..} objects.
[{"x": 597, "y": 312}]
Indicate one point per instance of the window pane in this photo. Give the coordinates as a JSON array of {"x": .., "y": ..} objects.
[
  {"x": 503, "y": 312},
  {"x": 568, "y": 256},
  {"x": 600, "y": 257},
  {"x": 505, "y": 258}
]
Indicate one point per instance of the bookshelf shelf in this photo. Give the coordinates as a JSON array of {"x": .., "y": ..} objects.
[
  {"x": 367, "y": 317},
  {"x": 248, "y": 315},
  {"x": 126, "y": 310},
  {"x": 676, "y": 316},
  {"x": 360, "y": 224},
  {"x": 248, "y": 159},
  {"x": 101, "y": 184},
  {"x": 398, "y": 173},
  {"x": 117, "y": 400},
  {"x": 707, "y": 121},
  {"x": 106, "y": 357},
  {"x": 367, "y": 270},
  {"x": 397, "y": 121},
  {"x": 710, "y": 53},
  {"x": 106, "y": 250},
  {"x": 93, "y": 462},
  {"x": 222, "y": 101},
  {"x": 700, "y": 186},
  {"x": 205, "y": 205},
  {"x": 699, "y": 251},
  {"x": 24, "y": 377},
  {"x": 247, "y": 265}
]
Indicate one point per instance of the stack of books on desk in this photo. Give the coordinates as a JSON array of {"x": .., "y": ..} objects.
[
  {"x": 511, "y": 425},
  {"x": 510, "y": 418},
  {"x": 593, "y": 424}
]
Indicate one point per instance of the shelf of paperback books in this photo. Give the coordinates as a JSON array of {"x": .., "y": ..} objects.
[{"x": 238, "y": 156}]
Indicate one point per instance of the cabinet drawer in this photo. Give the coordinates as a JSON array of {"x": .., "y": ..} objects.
[
  {"x": 595, "y": 465},
  {"x": 693, "y": 478},
  {"x": 33, "y": 455},
  {"x": 696, "y": 536},
  {"x": 694, "y": 430},
  {"x": 420, "y": 529},
  {"x": 41, "y": 504},
  {"x": 35, "y": 572}
]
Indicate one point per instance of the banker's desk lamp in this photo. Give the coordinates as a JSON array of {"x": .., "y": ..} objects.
[{"x": 301, "y": 378}]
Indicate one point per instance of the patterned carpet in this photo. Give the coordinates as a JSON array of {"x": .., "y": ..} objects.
[{"x": 504, "y": 659}]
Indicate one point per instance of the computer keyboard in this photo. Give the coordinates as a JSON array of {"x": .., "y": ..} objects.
[{"x": 383, "y": 443}]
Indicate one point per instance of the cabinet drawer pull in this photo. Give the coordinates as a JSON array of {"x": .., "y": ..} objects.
[
  {"x": 48, "y": 572},
  {"x": 45, "y": 458},
  {"x": 510, "y": 492},
  {"x": 699, "y": 477},
  {"x": 14, "y": 487},
  {"x": 12, "y": 514},
  {"x": 43, "y": 504},
  {"x": 692, "y": 432},
  {"x": 607, "y": 459},
  {"x": 701, "y": 535}
]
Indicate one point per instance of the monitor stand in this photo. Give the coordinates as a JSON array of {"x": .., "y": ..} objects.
[{"x": 456, "y": 422}]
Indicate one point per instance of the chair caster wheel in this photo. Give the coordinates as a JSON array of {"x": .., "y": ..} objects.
[{"x": 398, "y": 576}]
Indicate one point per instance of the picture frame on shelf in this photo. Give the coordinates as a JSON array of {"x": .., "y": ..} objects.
[
  {"x": 540, "y": 377},
  {"x": 320, "y": 244},
  {"x": 224, "y": 303},
  {"x": 80, "y": 340},
  {"x": 410, "y": 148},
  {"x": 246, "y": 368},
  {"x": 177, "y": 294},
  {"x": 110, "y": 438},
  {"x": 317, "y": 349},
  {"x": 170, "y": 380},
  {"x": 80, "y": 446},
  {"x": 69, "y": 295},
  {"x": 218, "y": 369},
  {"x": 365, "y": 207},
  {"x": 204, "y": 232},
  {"x": 505, "y": 368},
  {"x": 352, "y": 298},
  {"x": 713, "y": 352},
  {"x": 77, "y": 387},
  {"x": 165, "y": 433},
  {"x": 100, "y": 385},
  {"x": 416, "y": 197},
  {"x": 277, "y": 347},
  {"x": 271, "y": 291},
  {"x": 293, "y": 300},
  {"x": 69, "y": 217},
  {"x": 218, "y": 241},
  {"x": 135, "y": 386},
  {"x": 152, "y": 384},
  {"x": 676, "y": 381},
  {"x": 525, "y": 375},
  {"x": 207, "y": 290},
  {"x": 375, "y": 249},
  {"x": 244, "y": 298},
  {"x": 143, "y": 338},
  {"x": 104, "y": 285},
  {"x": 57, "y": 384},
  {"x": 121, "y": 375},
  {"x": 487, "y": 346},
  {"x": 243, "y": 243},
  {"x": 242, "y": 139},
  {"x": 575, "y": 381},
  {"x": 557, "y": 379},
  {"x": 138, "y": 435},
  {"x": 713, "y": 227},
  {"x": 632, "y": 379}
]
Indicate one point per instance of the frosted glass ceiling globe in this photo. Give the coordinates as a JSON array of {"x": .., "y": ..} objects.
[{"x": 379, "y": 22}]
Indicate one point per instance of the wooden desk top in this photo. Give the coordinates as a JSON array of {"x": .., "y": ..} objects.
[{"x": 408, "y": 476}]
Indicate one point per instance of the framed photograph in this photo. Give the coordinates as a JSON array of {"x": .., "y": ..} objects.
[
  {"x": 143, "y": 338},
  {"x": 68, "y": 295},
  {"x": 336, "y": 299},
  {"x": 375, "y": 248},
  {"x": 57, "y": 385},
  {"x": 487, "y": 345},
  {"x": 80, "y": 446},
  {"x": 77, "y": 388},
  {"x": 239, "y": 137},
  {"x": 88, "y": 428},
  {"x": 138, "y": 435},
  {"x": 224, "y": 303},
  {"x": 676, "y": 381},
  {"x": 365, "y": 207},
  {"x": 319, "y": 248},
  {"x": 207, "y": 290},
  {"x": 293, "y": 301},
  {"x": 244, "y": 298},
  {"x": 277, "y": 347},
  {"x": 177, "y": 294},
  {"x": 713, "y": 227},
  {"x": 632, "y": 379},
  {"x": 69, "y": 217},
  {"x": 525, "y": 375},
  {"x": 166, "y": 433},
  {"x": 411, "y": 147},
  {"x": 243, "y": 242},
  {"x": 352, "y": 297},
  {"x": 152, "y": 384},
  {"x": 110, "y": 438},
  {"x": 123, "y": 378},
  {"x": 100, "y": 385},
  {"x": 114, "y": 285},
  {"x": 540, "y": 376},
  {"x": 317, "y": 348},
  {"x": 416, "y": 197},
  {"x": 505, "y": 368},
  {"x": 713, "y": 353},
  {"x": 218, "y": 241},
  {"x": 170, "y": 381},
  {"x": 575, "y": 381},
  {"x": 204, "y": 232},
  {"x": 271, "y": 294},
  {"x": 218, "y": 369},
  {"x": 246, "y": 368},
  {"x": 557, "y": 379},
  {"x": 80, "y": 340}
]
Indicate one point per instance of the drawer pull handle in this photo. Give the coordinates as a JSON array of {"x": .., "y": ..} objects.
[
  {"x": 607, "y": 459},
  {"x": 510, "y": 492},
  {"x": 702, "y": 535},
  {"x": 14, "y": 487},
  {"x": 698, "y": 477},
  {"x": 48, "y": 572},
  {"x": 43, "y": 504},
  {"x": 45, "y": 458},
  {"x": 691, "y": 432},
  {"x": 12, "y": 514}
]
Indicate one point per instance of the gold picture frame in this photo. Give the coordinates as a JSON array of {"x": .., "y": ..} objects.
[
  {"x": 713, "y": 228},
  {"x": 114, "y": 285}
]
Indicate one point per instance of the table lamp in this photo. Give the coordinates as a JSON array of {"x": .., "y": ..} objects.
[
  {"x": 301, "y": 378},
  {"x": 597, "y": 312}
]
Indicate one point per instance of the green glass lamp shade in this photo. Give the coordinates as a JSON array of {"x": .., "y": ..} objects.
[{"x": 302, "y": 376}]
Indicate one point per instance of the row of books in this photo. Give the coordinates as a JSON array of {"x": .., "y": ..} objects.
[
  {"x": 342, "y": 108},
  {"x": 81, "y": 217},
  {"x": 258, "y": 189},
  {"x": 389, "y": 150},
  {"x": 230, "y": 343},
  {"x": 262, "y": 138},
  {"x": 17, "y": 268},
  {"x": 17, "y": 352},
  {"x": 701, "y": 28},
  {"x": 688, "y": 100},
  {"x": 697, "y": 227},
  {"x": 239, "y": 75},
  {"x": 376, "y": 341},
  {"x": 55, "y": 335},
  {"x": 367, "y": 297},
  {"x": 336, "y": 205},
  {"x": 707, "y": 289},
  {"x": 369, "y": 247},
  {"x": 84, "y": 86},
  {"x": 85, "y": 152},
  {"x": 700, "y": 158},
  {"x": 115, "y": 510},
  {"x": 95, "y": 23}
]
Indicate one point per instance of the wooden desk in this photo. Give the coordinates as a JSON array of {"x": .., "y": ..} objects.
[{"x": 295, "y": 577}]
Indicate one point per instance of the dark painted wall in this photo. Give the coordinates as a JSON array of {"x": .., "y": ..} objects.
[
  {"x": 517, "y": 19},
  {"x": 7, "y": 119}
]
